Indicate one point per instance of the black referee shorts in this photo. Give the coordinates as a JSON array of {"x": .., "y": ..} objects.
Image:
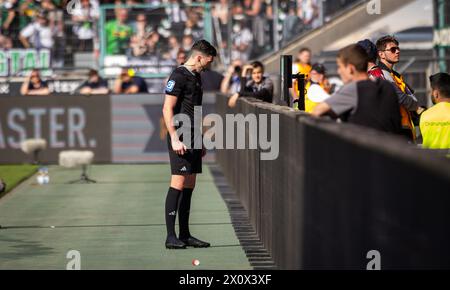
[{"x": 187, "y": 164}]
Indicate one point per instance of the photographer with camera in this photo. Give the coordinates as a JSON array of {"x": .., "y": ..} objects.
[
  {"x": 257, "y": 86},
  {"x": 231, "y": 82}
]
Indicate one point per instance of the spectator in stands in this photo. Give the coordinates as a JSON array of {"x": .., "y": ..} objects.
[
  {"x": 95, "y": 85},
  {"x": 309, "y": 12},
  {"x": 37, "y": 34},
  {"x": 34, "y": 85},
  {"x": 28, "y": 9},
  {"x": 254, "y": 11},
  {"x": 258, "y": 86},
  {"x": 177, "y": 18},
  {"x": 11, "y": 21},
  {"x": 181, "y": 57},
  {"x": 174, "y": 48},
  {"x": 5, "y": 42},
  {"x": 193, "y": 25},
  {"x": 237, "y": 9},
  {"x": 142, "y": 32},
  {"x": 187, "y": 42},
  {"x": 292, "y": 25},
  {"x": 242, "y": 39},
  {"x": 231, "y": 83},
  {"x": 316, "y": 90},
  {"x": 389, "y": 56},
  {"x": 302, "y": 65},
  {"x": 361, "y": 101},
  {"x": 154, "y": 45},
  {"x": 118, "y": 33},
  {"x": 53, "y": 15},
  {"x": 85, "y": 19},
  {"x": 435, "y": 122},
  {"x": 140, "y": 26},
  {"x": 374, "y": 70},
  {"x": 220, "y": 12},
  {"x": 128, "y": 83}
]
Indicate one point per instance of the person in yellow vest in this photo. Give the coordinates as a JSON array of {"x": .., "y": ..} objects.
[
  {"x": 389, "y": 56},
  {"x": 302, "y": 66},
  {"x": 435, "y": 122},
  {"x": 303, "y": 62},
  {"x": 316, "y": 91}
]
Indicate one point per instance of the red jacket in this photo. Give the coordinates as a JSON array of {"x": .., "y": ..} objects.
[{"x": 376, "y": 73}]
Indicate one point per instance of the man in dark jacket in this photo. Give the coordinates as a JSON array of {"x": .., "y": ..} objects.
[{"x": 258, "y": 87}]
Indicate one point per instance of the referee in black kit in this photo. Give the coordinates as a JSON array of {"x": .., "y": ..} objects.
[{"x": 183, "y": 93}]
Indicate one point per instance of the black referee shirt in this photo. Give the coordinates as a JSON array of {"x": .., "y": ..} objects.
[{"x": 187, "y": 87}]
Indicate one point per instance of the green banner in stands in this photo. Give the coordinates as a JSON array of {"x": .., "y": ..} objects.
[{"x": 17, "y": 61}]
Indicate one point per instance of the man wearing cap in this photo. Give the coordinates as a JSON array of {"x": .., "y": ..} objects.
[
  {"x": 38, "y": 34},
  {"x": 374, "y": 71},
  {"x": 315, "y": 88}
]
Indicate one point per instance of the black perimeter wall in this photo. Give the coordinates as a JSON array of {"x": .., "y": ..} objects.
[{"x": 338, "y": 191}]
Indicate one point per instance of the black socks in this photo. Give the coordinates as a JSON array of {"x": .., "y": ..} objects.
[
  {"x": 185, "y": 207},
  {"x": 171, "y": 210},
  {"x": 174, "y": 198}
]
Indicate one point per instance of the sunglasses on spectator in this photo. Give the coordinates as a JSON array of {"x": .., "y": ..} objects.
[{"x": 393, "y": 49}]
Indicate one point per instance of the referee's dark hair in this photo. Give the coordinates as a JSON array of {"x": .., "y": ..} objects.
[{"x": 204, "y": 47}]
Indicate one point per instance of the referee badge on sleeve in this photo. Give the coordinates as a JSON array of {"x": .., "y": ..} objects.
[{"x": 170, "y": 86}]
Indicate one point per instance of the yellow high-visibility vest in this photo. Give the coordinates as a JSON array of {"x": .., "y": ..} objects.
[
  {"x": 304, "y": 69},
  {"x": 435, "y": 127}
]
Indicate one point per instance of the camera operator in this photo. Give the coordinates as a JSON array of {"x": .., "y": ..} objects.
[
  {"x": 258, "y": 86},
  {"x": 231, "y": 83}
]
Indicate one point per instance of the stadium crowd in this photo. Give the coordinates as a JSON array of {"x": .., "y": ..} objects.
[{"x": 162, "y": 31}]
